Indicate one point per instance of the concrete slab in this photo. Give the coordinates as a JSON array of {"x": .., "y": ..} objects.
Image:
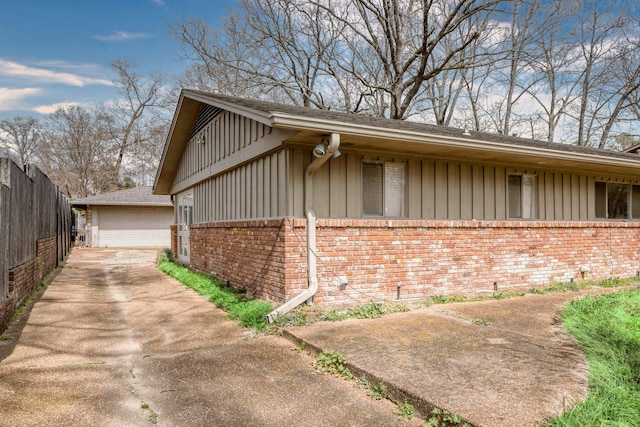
[
  {"x": 495, "y": 363},
  {"x": 114, "y": 342}
]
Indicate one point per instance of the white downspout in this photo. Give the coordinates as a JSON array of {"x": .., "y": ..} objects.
[{"x": 307, "y": 294}]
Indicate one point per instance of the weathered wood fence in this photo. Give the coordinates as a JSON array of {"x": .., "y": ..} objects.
[{"x": 35, "y": 233}]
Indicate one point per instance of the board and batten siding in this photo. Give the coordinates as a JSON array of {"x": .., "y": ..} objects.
[
  {"x": 443, "y": 190},
  {"x": 226, "y": 142},
  {"x": 237, "y": 169},
  {"x": 254, "y": 190}
]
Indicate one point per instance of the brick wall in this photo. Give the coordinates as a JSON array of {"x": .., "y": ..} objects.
[
  {"x": 24, "y": 278},
  {"x": 422, "y": 257},
  {"x": 248, "y": 254},
  {"x": 174, "y": 240}
]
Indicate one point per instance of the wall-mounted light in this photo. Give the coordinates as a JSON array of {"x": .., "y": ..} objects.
[
  {"x": 200, "y": 139},
  {"x": 319, "y": 150}
]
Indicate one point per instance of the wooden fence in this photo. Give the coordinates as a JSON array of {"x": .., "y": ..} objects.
[{"x": 35, "y": 232}]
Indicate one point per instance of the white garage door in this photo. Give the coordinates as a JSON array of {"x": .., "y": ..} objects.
[{"x": 134, "y": 227}]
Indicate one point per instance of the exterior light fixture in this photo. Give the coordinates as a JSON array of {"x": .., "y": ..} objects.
[{"x": 319, "y": 150}]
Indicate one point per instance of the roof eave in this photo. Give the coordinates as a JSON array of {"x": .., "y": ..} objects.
[{"x": 288, "y": 121}]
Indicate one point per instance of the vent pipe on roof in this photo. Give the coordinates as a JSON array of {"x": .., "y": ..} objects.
[{"x": 331, "y": 142}]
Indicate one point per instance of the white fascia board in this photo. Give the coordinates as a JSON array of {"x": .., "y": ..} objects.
[{"x": 320, "y": 125}]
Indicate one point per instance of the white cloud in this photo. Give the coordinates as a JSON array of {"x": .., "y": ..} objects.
[
  {"x": 158, "y": 2},
  {"x": 122, "y": 35},
  {"x": 11, "y": 99},
  {"x": 43, "y": 75},
  {"x": 51, "y": 108}
]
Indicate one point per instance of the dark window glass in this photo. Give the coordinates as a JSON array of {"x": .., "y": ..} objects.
[
  {"x": 617, "y": 200},
  {"x": 635, "y": 202},
  {"x": 601, "y": 199},
  {"x": 515, "y": 196}
]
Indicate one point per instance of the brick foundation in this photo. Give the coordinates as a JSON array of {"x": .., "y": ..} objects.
[
  {"x": 174, "y": 239},
  {"x": 24, "y": 278},
  {"x": 248, "y": 254},
  {"x": 424, "y": 258}
]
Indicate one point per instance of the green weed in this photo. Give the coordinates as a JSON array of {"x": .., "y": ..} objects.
[
  {"x": 481, "y": 321},
  {"x": 5, "y": 337},
  {"x": 362, "y": 382},
  {"x": 300, "y": 348},
  {"x": 443, "y": 299},
  {"x": 335, "y": 315},
  {"x": 370, "y": 310},
  {"x": 333, "y": 363},
  {"x": 406, "y": 410},
  {"x": 575, "y": 286},
  {"x": 377, "y": 391},
  {"x": 165, "y": 255},
  {"x": 443, "y": 418},
  {"x": 294, "y": 318},
  {"x": 153, "y": 417}
]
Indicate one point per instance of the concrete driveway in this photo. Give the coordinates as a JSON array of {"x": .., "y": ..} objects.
[{"x": 114, "y": 342}]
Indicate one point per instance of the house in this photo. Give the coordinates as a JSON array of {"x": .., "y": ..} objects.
[
  {"x": 292, "y": 203},
  {"x": 127, "y": 218}
]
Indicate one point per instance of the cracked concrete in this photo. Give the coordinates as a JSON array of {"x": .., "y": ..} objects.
[{"x": 114, "y": 342}]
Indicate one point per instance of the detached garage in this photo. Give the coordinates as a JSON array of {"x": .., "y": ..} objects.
[{"x": 127, "y": 218}]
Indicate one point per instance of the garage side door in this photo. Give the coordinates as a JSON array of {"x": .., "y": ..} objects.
[{"x": 135, "y": 227}]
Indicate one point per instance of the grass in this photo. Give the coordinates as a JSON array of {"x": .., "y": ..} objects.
[
  {"x": 248, "y": 311},
  {"x": 607, "y": 328}
]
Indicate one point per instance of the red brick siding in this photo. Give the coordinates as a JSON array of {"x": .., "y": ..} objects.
[
  {"x": 174, "y": 240},
  {"x": 24, "y": 278},
  {"x": 45, "y": 257},
  {"x": 248, "y": 254},
  {"x": 423, "y": 257}
]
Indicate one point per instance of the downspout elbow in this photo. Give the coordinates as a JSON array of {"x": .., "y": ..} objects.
[{"x": 312, "y": 279}]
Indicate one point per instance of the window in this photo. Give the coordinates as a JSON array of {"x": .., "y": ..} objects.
[
  {"x": 522, "y": 196},
  {"x": 617, "y": 201},
  {"x": 383, "y": 189},
  {"x": 184, "y": 219}
]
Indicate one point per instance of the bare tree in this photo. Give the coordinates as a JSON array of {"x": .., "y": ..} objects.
[
  {"x": 145, "y": 152},
  {"x": 275, "y": 47},
  {"x": 465, "y": 86},
  {"x": 553, "y": 59},
  {"x": 77, "y": 152},
  {"x": 405, "y": 40},
  {"x": 626, "y": 96},
  {"x": 513, "y": 77},
  {"x": 21, "y": 137},
  {"x": 140, "y": 93},
  {"x": 377, "y": 54}
]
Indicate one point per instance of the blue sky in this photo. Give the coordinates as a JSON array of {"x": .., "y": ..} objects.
[{"x": 58, "y": 52}]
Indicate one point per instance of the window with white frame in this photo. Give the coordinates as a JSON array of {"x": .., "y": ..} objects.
[
  {"x": 184, "y": 219},
  {"x": 384, "y": 189},
  {"x": 616, "y": 200},
  {"x": 522, "y": 196}
]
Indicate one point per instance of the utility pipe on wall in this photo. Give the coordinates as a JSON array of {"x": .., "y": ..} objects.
[{"x": 330, "y": 148}]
